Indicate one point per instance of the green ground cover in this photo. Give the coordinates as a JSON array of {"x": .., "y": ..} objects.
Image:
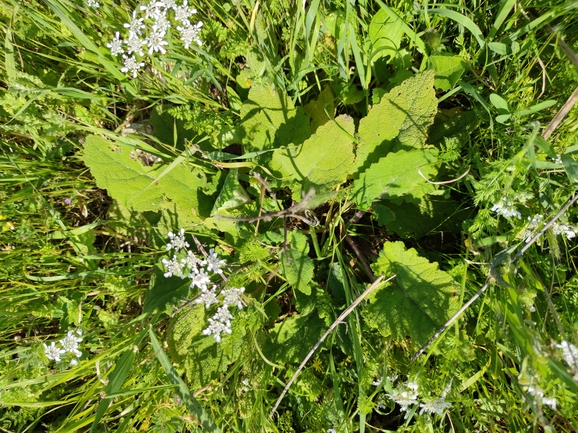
[{"x": 278, "y": 216}]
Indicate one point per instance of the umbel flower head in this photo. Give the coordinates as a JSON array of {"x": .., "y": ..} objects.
[
  {"x": 207, "y": 278},
  {"x": 148, "y": 30},
  {"x": 64, "y": 348}
]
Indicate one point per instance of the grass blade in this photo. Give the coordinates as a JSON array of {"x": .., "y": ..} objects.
[
  {"x": 463, "y": 21},
  {"x": 181, "y": 388}
]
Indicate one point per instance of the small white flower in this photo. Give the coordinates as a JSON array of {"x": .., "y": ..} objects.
[
  {"x": 245, "y": 383},
  {"x": 173, "y": 267},
  {"x": 506, "y": 209},
  {"x": 557, "y": 160},
  {"x": 213, "y": 262},
  {"x": 136, "y": 25},
  {"x": 52, "y": 352},
  {"x": 153, "y": 10},
  {"x": 219, "y": 323},
  {"x": 563, "y": 229},
  {"x": 413, "y": 386},
  {"x": 199, "y": 279},
  {"x": 134, "y": 44},
  {"x": 534, "y": 222},
  {"x": 184, "y": 12},
  {"x": 190, "y": 33},
  {"x": 161, "y": 24},
  {"x": 131, "y": 65},
  {"x": 434, "y": 406},
  {"x": 178, "y": 241},
  {"x": 377, "y": 382},
  {"x": 168, "y": 4},
  {"x": 404, "y": 398},
  {"x": 93, "y": 4},
  {"x": 207, "y": 297},
  {"x": 232, "y": 296},
  {"x": 156, "y": 42},
  {"x": 191, "y": 263},
  {"x": 550, "y": 401},
  {"x": 70, "y": 344},
  {"x": 569, "y": 353},
  {"x": 115, "y": 45},
  {"x": 73, "y": 362}
]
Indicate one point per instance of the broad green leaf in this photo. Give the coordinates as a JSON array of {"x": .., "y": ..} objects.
[
  {"x": 9, "y": 64},
  {"x": 399, "y": 121},
  {"x": 396, "y": 175},
  {"x": 232, "y": 194},
  {"x": 118, "y": 169},
  {"x": 500, "y": 103},
  {"x": 417, "y": 303},
  {"x": 322, "y": 109},
  {"x": 324, "y": 160},
  {"x": 297, "y": 265},
  {"x": 291, "y": 339},
  {"x": 270, "y": 120},
  {"x": 448, "y": 70},
  {"x": 165, "y": 293},
  {"x": 385, "y": 34},
  {"x": 182, "y": 389},
  {"x": 168, "y": 129}
]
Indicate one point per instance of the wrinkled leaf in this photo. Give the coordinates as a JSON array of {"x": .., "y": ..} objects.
[
  {"x": 232, "y": 194},
  {"x": 417, "y": 303},
  {"x": 117, "y": 168},
  {"x": 324, "y": 160},
  {"x": 399, "y": 122},
  {"x": 396, "y": 175},
  {"x": 448, "y": 70},
  {"x": 297, "y": 265},
  {"x": 270, "y": 120},
  {"x": 571, "y": 168},
  {"x": 322, "y": 109}
]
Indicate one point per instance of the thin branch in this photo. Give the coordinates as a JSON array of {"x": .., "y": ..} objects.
[
  {"x": 291, "y": 212},
  {"x": 342, "y": 316},
  {"x": 560, "y": 115}
]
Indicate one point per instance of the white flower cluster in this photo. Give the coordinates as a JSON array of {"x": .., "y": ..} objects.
[
  {"x": 149, "y": 32},
  {"x": 407, "y": 395},
  {"x": 185, "y": 264},
  {"x": 568, "y": 231},
  {"x": 564, "y": 229},
  {"x": 66, "y": 347},
  {"x": 93, "y": 4},
  {"x": 506, "y": 209},
  {"x": 570, "y": 355},
  {"x": 538, "y": 394}
]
